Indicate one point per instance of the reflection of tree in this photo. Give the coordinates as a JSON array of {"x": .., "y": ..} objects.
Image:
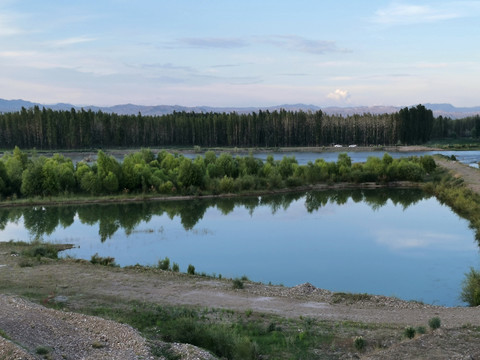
[
  {"x": 66, "y": 215},
  {"x": 110, "y": 218},
  {"x": 374, "y": 198},
  {"x": 226, "y": 206},
  {"x": 41, "y": 220}
]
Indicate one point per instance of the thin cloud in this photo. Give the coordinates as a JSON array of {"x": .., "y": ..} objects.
[
  {"x": 301, "y": 44},
  {"x": 166, "y": 66},
  {"x": 71, "y": 41},
  {"x": 222, "y": 43},
  {"x": 6, "y": 26},
  {"x": 398, "y": 13}
]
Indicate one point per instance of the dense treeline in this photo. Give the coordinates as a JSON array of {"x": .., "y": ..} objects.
[
  {"x": 444, "y": 128},
  {"x": 145, "y": 172},
  {"x": 48, "y": 129}
]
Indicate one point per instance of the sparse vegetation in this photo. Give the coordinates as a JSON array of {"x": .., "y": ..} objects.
[
  {"x": 42, "y": 350},
  {"x": 105, "y": 261},
  {"x": 434, "y": 323},
  {"x": 421, "y": 330},
  {"x": 471, "y": 288},
  {"x": 191, "y": 269},
  {"x": 238, "y": 283},
  {"x": 42, "y": 250},
  {"x": 349, "y": 298},
  {"x": 409, "y": 332},
  {"x": 235, "y": 335},
  {"x": 359, "y": 343},
  {"x": 164, "y": 264}
]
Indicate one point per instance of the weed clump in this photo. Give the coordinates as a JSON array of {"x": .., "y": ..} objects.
[
  {"x": 191, "y": 269},
  {"x": 471, "y": 288},
  {"x": 238, "y": 283},
  {"x": 409, "y": 332},
  {"x": 164, "y": 264},
  {"x": 42, "y": 350},
  {"x": 421, "y": 330},
  {"x": 434, "y": 323},
  {"x": 105, "y": 261},
  {"x": 359, "y": 343},
  {"x": 42, "y": 250}
]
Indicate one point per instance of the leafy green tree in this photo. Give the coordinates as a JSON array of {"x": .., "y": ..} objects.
[
  {"x": 226, "y": 165},
  {"x": 108, "y": 172},
  {"x": 190, "y": 173},
  {"x": 33, "y": 178},
  {"x": 110, "y": 182},
  {"x": 4, "y": 180}
]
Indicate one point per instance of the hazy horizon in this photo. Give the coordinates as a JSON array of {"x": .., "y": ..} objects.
[{"x": 245, "y": 54}]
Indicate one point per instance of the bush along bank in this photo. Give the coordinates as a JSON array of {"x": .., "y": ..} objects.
[
  {"x": 144, "y": 172},
  {"x": 452, "y": 191}
]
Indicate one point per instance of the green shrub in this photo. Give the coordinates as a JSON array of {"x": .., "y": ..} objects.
[
  {"x": 471, "y": 288},
  {"x": 434, "y": 323},
  {"x": 359, "y": 343},
  {"x": 42, "y": 350},
  {"x": 421, "y": 330},
  {"x": 191, "y": 269},
  {"x": 226, "y": 184},
  {"x": 409, "y": 332},
  {"x": 42, "y": 250},
  {"x": 164, "y": 264},
  {"x": 105, "y": 261},
  {"x": 238, "y": 283},
  {"x": 175, "y": 267}
]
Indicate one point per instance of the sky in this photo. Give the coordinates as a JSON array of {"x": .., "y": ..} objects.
[{"x": 240, "y": 53}]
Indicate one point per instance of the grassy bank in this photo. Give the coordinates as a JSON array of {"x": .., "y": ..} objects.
[{"x": 452, "y": 191}]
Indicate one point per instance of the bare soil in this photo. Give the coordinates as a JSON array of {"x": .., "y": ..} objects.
[
  {"x": 78, "y": 284},
  {"x": 470, "y": 175}
]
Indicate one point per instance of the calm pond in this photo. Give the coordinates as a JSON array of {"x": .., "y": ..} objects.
[{"x": 396, "y": 242}]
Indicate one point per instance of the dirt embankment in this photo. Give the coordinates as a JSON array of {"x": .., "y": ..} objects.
[
  {"x": 470, "y": 175},
  {"x": 79, "y": 284}
]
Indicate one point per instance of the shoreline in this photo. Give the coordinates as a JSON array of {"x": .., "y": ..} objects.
[{"x": 136, "y": 199}]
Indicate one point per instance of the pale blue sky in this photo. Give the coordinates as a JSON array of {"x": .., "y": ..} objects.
[{"x": 240, "y": 53}]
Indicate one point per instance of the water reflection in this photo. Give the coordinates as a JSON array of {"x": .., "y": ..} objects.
[{"x": 41, "y": 221}]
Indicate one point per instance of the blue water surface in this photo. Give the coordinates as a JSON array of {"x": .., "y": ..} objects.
[{"x": 416, "y": 252}]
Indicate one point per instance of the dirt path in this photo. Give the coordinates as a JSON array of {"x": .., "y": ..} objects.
[{"x": 470, "y": 175}]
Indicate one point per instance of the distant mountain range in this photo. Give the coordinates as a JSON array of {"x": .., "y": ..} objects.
[{"x": 446, "y": 110}]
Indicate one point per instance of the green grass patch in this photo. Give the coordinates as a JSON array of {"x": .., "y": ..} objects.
[
  {"x": 4, "y": 335},
  {"x": 45, "y": 250},
  {"x": 234, "y": 335},
  {"x": 341, "y": 297}
]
